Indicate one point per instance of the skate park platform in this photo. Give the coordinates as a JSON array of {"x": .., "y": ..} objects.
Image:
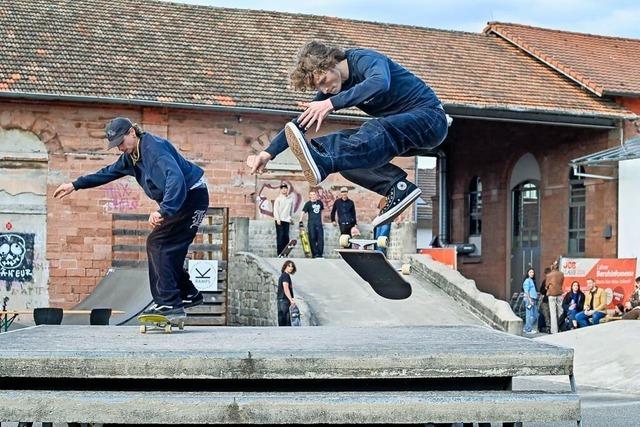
[{"x": 270, "y": 375}]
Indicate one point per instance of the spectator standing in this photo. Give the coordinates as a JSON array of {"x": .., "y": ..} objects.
[
  {"x": 554, "y": 282},
  {"x": 346, "y": 212},
  {"x": 544, "y": 322},
  {"x": 573, "y": 303},
  {"x": 286, "y": 299},
  {"x": 382, "y": 230},
  {"x": 531, "y": 298},
  {"x": 282, "y": 212},
  {"x": 313, "y": 208},
  {"x": 595, "y": 305}
]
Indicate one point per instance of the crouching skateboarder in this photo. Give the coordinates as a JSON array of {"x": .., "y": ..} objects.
[
  {"x": 179, "y": 188},
  {"x": 409, "y": 118}
]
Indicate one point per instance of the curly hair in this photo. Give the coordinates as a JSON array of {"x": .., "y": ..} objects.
[{"x": 313, "y": 58}]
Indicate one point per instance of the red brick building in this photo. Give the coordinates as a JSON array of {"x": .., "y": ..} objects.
[{"x": 214, "y": 82}]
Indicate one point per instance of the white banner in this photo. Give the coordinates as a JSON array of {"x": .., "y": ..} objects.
[{"x": 204, "y": 274}]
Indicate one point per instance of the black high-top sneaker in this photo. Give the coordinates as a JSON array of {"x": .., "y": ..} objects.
[
  {"x": 168, "y": 311},
  {"x": 400, "y": 197},
  {"x": 193, "y": 300},
  {"x": 303, "y": 152}
]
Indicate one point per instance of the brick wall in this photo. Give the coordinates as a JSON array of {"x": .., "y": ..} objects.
[
  {"x": 490, "y": 150},
  {"x": 79, "y": 227}
]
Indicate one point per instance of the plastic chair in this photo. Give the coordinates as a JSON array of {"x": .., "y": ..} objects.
[
  {"x": 47, "y": 316},
  {"x": 100, "y": 316}
]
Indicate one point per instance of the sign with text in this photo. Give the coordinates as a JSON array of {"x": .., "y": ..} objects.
[
  {"x": 615, "y": 275},
  {"x": 16, "y": 257},
  {"x": 447, "y": 256},
  {"x": 204, "y": 274}
]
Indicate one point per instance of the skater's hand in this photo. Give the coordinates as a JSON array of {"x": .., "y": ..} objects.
[
  {"x": 155, "y": 218},
  {"x": 278, "y": 222},
  {"x": 316, "y": 112},
  {"x": 292, "y": 302},
  {"x": 64, "y": 190},
  {"x": 258, "y": 163}
]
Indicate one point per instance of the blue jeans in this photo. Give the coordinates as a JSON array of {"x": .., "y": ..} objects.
[
  {"x": 531, "y": 316},
  {"x": 583, "y": 319},
  {"x": 363, "y": 154}
]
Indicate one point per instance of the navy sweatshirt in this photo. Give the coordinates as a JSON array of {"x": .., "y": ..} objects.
[
  {"x": 163, "y": 173},
  {"x": 378, "y": 86}
]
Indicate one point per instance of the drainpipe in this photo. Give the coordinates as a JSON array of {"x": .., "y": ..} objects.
[{"x": 443, "y": 205}]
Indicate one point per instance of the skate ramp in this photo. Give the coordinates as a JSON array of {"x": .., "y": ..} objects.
[
  {"x": 606, "y": 355},
  {"x": 336, "y": 296},
  {"x": 124, "y": 289}
]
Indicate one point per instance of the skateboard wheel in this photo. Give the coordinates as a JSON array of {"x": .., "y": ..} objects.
[
  {"x": 344, "y": 240},
  {"x": 406, "y": 269},
  {"x": 382, "y": 242},
  {"x": 167, "y": 328},
  {"x": 143, "y": 329}
]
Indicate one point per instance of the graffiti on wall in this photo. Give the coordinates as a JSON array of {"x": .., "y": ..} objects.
[
  {"x": 327, "y": 198},
  {"x": 16, "y": 257},
  {"x": 121, "y": 197},
  {"x": 268, "y": 194}
]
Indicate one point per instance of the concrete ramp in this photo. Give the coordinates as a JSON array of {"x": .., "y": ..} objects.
[
  {"x": 606, "y": 355},
  {"x": 335, "y": 295},
  {"x": 124, "y": 289}
]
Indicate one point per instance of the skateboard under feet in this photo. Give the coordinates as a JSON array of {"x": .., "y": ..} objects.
[{"x": 157, "y": 321}]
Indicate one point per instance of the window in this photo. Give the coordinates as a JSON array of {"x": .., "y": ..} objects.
[
  {"x": 577, "y": 214},
  {"x": 475, "y": 207}
]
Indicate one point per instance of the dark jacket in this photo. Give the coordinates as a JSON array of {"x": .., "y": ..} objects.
[
  {"x": 566, "y": 301},
  {"x": 346, "y": 211},
  {"x": 162, "y": 172}
]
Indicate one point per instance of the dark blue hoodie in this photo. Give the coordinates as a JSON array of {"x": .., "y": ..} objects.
[
  {"x": 376, "y": 85},
  {"x": 163, "y": 173}
]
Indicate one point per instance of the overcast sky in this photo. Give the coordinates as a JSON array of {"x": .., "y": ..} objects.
[{"x": 614, "y": 18}]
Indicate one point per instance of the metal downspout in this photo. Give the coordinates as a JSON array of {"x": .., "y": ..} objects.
[{"x": 443, "y": 200}]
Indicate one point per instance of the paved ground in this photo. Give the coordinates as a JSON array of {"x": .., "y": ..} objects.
[{"x": 336, "y": 295}]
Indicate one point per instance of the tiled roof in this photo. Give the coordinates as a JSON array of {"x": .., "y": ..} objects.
[
  {"x": 151, "y": 51},
  {"x": 604, "y": 65}
]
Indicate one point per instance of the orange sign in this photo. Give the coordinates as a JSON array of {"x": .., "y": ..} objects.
[
  {"x": 447, "y": 256},
  {"x": 615, "y": 275}
]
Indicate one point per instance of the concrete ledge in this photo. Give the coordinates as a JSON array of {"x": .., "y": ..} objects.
[
  {"x": 286, "y": 408},
  {"x": 493, "y": 311},
  {"x": 276, "y": 353}
]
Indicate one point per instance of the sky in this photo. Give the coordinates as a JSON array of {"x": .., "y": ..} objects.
[{"x": 619, "y": 18}]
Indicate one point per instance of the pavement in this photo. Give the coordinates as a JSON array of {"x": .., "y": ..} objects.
[{"x": 347, "y": 300}]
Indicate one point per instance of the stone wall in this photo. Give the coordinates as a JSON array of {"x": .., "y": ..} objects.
[
  {"x": 252, "y": 289},
  {"x": 494, "y": 312}
]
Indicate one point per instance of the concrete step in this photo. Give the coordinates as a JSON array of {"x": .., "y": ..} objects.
[{"x": 135, "y": 407}]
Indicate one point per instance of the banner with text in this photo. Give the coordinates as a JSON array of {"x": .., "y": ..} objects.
[
  {"x": 615, "y": 275},
  {"x": 447, "y": 256}
]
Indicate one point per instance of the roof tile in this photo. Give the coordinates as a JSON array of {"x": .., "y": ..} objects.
[
  {"x": 605, "y": 65},
  {"x": 147, "y": 50}
]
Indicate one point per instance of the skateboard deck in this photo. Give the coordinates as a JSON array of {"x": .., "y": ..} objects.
[
  {"x": 158, "y": 321},
  {"x": 287, "y": 250},
  {"x": 374, "y": 268},
  {"x": 306, "y": 243}
]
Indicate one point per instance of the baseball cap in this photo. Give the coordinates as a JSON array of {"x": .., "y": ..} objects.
[
  {"x": 343, "y": 189},
  {"x": 116, "y": 130}
]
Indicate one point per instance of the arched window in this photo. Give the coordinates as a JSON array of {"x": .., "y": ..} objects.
[
  {"x": 475, "y": 207},
  {"x": 577, "y": 214}
]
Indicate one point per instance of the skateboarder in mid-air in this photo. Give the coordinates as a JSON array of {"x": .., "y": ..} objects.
[
  {"x": 408, "y": 118},
  {"x": 179, "y": 188}
]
